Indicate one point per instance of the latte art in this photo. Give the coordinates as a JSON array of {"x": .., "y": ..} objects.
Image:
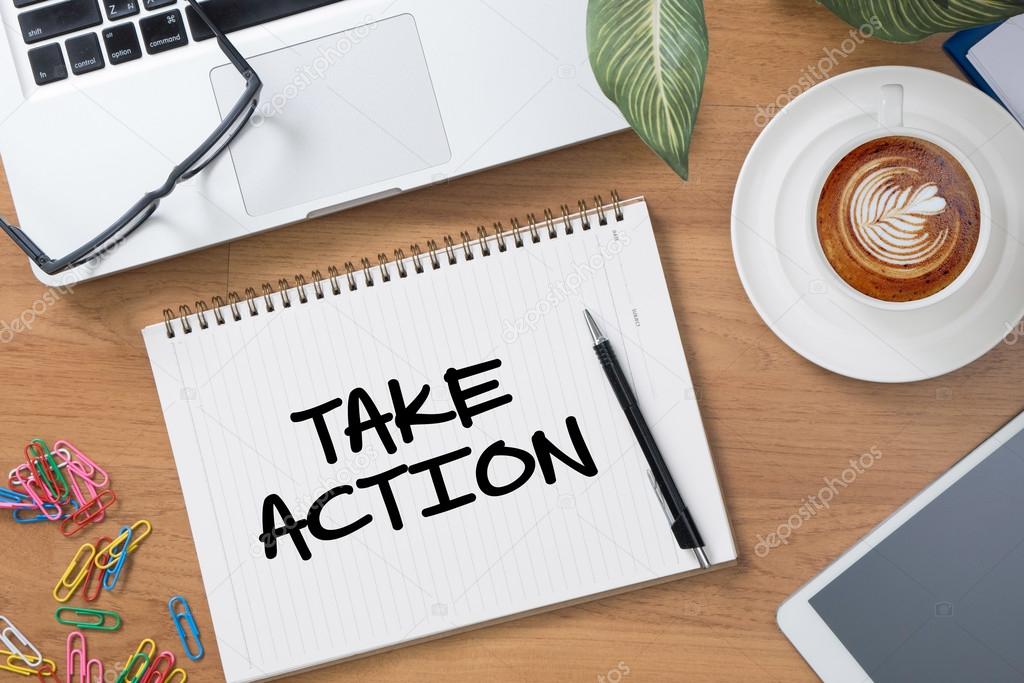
[
  {"x": 898, "y": 218},
  {"x": 891, "y": 222}
]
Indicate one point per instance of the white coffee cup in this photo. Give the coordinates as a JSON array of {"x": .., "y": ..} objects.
[{"x": 890, "y": 123}]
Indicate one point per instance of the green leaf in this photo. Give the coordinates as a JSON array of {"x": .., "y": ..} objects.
[
  {"x": 650, "y": 57},
  {"x": 904, "y": 21}
]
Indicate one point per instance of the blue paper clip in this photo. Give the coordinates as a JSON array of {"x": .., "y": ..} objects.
[
  {"x": 113, "y": 574},
  {"x": 185, "y": 615},
  {"x": 21, "y": 518},
  {"x": 13, "y": 498}
]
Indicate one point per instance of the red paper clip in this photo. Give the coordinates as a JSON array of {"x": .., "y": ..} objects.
[
  {"x": 155, "y": 674},
  {"x": 95, "y": 571},
  {"x": 88, "y": 513},
  {"x": 47, "y": 672}
]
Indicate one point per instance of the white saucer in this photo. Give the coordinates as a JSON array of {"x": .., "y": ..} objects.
[{"x": 780, "y": 263}]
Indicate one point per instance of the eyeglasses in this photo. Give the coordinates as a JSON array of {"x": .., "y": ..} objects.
[{"x": 211, "y": 148}]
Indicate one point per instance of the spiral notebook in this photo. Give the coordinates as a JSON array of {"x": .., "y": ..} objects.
[{"x": 420, "y": 445}]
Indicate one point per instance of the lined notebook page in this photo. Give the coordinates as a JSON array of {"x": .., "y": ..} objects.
[{"x": 228, "y": 393}]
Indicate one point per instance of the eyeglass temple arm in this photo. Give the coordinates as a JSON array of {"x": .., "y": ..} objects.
[
  {"x": 37, "y": 255},
  {"x": 229, "y": 49}
]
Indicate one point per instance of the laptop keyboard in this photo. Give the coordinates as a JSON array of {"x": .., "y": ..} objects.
[{"x": 120, "y": 39}]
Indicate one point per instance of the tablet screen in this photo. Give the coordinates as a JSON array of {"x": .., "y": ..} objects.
[{"x": 942, "y": 597}]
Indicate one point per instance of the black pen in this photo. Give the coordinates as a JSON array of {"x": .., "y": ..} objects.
[{"x": 683, "y": 527}]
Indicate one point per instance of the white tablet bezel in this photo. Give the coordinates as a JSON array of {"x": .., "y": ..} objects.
[{"x": 808, "y": 632}]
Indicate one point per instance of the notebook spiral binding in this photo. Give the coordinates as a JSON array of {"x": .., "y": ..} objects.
[{"x": 368, "y": 273}]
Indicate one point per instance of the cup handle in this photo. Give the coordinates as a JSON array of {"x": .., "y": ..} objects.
[{"x": 890, "y": 110}]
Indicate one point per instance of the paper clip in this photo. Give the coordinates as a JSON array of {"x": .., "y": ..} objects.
[
  {"x": 49, "y": 510},
  {"x": 137, "y": 538},
  {"x": 155, "y": 674},
  {"x": 15, "y": 664},
  {"x": 12, "y": 500},
  {"x": 180, "y": 673},
  {"x": 77, "y": 659},
  {"x": 16, "y": 644},
  {"x": 86, "y": 466},
  {"x": 147, "y": 646},
  {"x": 90, "y": 596},
  {"x": 70, "y": 580},
  {"x": 43, "y": 465},
  {"x": 47, "y": 671},
  {"x": 88, "y": 513},
  {"x": 94, "y": 672},
  {"x": 185, "y": 615},
  {"x": 91, "y": 619},
  {"x": 143, "y": 660},
  {"x": 82, "y": 488},
  {"x": 112, "y": 575}
]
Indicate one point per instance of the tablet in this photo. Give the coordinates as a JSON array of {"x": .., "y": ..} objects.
[{"x": 936, "y": 591}]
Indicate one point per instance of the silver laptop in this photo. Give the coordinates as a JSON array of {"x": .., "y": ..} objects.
[{"x": 362, "y": 99}]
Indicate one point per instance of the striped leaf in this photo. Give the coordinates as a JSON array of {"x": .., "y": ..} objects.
[
  {"x": 650, "y": 57},
  {"x": 904, "y": 21}
]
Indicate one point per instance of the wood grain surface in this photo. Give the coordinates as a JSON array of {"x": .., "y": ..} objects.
[{"x": 778, "y": 425}]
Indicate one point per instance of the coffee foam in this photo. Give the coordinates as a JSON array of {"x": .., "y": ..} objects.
[
  {"x": 891, "y": 223},
  {"x": 898, "y": 218}
]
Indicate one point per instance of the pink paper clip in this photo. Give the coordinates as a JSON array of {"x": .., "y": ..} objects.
[
  {"x": 85, "y": 465},
  {"x": 156, "y": 674},
  {"x": 77, "y": 659},
  {"x": 35, "y": 491},
  {"x": 94, "y": 672}
]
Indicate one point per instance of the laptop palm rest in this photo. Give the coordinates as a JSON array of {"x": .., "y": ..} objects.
[{"x": 339, "y": 113}]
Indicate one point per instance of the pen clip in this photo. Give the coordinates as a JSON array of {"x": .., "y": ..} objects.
[{"x": 661, "y": 498}]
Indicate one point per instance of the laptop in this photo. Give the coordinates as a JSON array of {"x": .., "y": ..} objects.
[{"x": 362, "y": 100}]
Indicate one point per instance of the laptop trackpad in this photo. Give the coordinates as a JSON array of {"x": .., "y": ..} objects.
[{"x": 337, "y": 114}]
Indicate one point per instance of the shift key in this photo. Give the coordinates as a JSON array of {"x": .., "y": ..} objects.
[{"x": 56, "y": 20}]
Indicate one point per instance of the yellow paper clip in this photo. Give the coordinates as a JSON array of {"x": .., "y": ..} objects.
[
  {"x": 111, "y": 551},
  {"x": 176, "y": 672},
  {"x": 84, "y": 556},
  {"x": 16, "y": 664},
  {"x": 146, "y": 647}
]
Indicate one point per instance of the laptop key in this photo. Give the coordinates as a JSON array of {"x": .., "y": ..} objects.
[
  {"x": 48, "y": 64},
  {"x": 57, "y": 19},
  {"x": 157, "y": 4},
  {"x": 122, "y": 43},
  {"x": 119, "y": 9},
  {"x": 25, "y": 3},
  {"x": 163, "y": 32},
  {"x": 85, "y": 54}
]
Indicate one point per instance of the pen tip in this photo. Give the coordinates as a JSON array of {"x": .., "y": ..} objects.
[{"x": 595, "y": 331}]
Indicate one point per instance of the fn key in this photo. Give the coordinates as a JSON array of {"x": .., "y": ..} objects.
[{"x": 48, "y": 64}]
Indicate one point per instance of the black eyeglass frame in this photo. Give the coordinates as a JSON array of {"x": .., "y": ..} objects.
[{"x": 139, "y": 213}]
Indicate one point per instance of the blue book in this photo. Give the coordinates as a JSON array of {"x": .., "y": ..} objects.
[{"x": 959, "y": 44}]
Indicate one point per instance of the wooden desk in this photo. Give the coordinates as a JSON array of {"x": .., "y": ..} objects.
[{"x": 778, "y": 425}]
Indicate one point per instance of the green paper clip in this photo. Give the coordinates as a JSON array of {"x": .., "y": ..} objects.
[
  {"x": 138, "y": 656},
  {"x": 91, "y": 619}
]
